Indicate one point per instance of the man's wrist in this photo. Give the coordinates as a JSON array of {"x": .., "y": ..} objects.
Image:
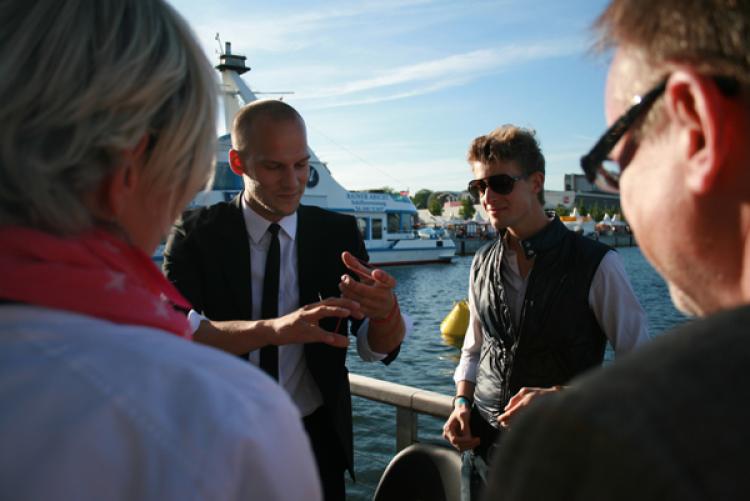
[
  {"x": 462, "y": 401},
  {"x": 391, "y": 314},
  {"x": 265, "y": 330}
]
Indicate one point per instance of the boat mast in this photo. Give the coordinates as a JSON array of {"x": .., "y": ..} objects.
[{"x": 231, "y": 66}]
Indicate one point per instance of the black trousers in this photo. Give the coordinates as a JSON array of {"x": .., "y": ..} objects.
[{"x": 328, "y": 455}]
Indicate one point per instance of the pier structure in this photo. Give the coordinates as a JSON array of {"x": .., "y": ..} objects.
[{"x": 409, "y": 402}]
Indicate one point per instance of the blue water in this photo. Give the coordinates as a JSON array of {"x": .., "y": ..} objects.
[{"x": 427, "y": 293}]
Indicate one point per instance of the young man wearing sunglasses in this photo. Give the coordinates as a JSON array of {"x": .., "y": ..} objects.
[
  {"x": 543, "y": 302},
  {"x": 670, "y": 422}
]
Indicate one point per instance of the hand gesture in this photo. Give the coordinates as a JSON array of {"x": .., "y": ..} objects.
[
  {"x": 374, "y": 293},
  {"x": 521, "y": 400},
  {"x": 301, "y": 326}
]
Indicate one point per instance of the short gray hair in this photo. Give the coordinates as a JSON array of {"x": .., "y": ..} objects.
[
  {"x": 712, "y": 36},
  {"x": 83, "y": 82}
]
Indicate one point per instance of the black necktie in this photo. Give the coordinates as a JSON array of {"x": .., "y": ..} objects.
[{"x": 269, "y": 355}]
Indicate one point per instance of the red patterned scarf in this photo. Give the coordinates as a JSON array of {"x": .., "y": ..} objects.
[{"x": 95, "y": 274}]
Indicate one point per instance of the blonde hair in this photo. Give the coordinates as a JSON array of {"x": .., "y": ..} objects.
[{"x": 84, "y": 81}]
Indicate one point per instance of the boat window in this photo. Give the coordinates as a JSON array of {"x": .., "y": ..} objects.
[
  {"x": 225, "y": 179},
  {"x": 377, "y": 229},
  {"x": 363, "y": 223},
  {"x": 394, "y": 223},
  {"x": 407, "y": 222}
]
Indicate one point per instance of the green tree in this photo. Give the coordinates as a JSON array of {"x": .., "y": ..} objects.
[
  {"x": 436, "y": 195},
  {"x": 561, "y": 210},
  {"x": 420, "y": 199},
  {"x": 467, "y": 210},
  {"x": 435, "y": 206}
]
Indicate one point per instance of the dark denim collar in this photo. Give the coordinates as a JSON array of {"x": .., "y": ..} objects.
[{"x": 545, "y": 239}]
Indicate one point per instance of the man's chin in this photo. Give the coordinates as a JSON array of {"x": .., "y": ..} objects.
[
  {"x": 274, "y": 211},
  {"x": 498, "y": 223},
  {"x": 286, "y": 209}
]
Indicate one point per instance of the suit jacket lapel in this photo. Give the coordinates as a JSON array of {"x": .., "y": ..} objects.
[
  {"x": 308, "y": 251},
  {"x": 234, "y": 253}
]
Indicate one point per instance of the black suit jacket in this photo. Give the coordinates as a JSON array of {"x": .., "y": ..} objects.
[{"x": 208, "y": 258}]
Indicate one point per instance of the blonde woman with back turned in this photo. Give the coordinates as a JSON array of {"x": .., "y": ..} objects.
[{"x": 107, "y": 132}]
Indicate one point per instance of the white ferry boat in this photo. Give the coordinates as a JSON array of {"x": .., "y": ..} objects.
[{"x": 387, "y": 221}]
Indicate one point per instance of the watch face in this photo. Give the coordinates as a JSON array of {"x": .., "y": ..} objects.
[{"x": 312, "y": 181}]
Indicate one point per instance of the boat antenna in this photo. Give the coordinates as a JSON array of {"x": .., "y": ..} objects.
[{"x": 221, "y": 53}]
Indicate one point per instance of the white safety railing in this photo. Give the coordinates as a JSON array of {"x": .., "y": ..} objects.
[{"x": 408, "y": 400}]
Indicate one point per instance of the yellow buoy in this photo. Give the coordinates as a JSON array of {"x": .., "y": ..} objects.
[{"x": 454, "y": 325}]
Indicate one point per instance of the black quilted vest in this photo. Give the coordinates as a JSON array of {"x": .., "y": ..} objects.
[{"x": 558, "y": 336}]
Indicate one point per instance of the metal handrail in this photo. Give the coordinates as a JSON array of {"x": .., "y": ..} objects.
[{"x": 408, "y": 400}]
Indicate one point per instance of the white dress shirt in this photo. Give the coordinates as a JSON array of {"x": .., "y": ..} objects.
[
  {"x": 98, "y": 410},
  {"x": 611, "y": 298},
  {"x": 294, "y": 375}
]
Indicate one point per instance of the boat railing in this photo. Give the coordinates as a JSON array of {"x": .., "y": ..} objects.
[{"x": 409, "y": 402}]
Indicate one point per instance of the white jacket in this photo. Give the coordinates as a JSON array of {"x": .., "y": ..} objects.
[{"x": 94, "y": 410}]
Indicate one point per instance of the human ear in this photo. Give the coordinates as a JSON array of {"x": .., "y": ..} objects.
[
  {"x": 537, "y": 181},
  {"x": 235, "y": 162},
  {"x": 111, "y": 197},
  {"x": 696, "y": 107},
  {"x": 119, "y": 187},
  {"x": 124, "y": 181}
]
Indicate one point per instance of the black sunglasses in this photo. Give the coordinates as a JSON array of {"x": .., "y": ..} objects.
[
  {"x": 593, "y": 162},
  {"x": 502, "y": 184}
]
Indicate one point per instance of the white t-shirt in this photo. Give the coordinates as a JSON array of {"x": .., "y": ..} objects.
[{"x": 97, "y": 410}]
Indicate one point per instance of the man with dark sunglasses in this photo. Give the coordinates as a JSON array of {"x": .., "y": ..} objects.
[
  {"x": 543, "y": 302},
  {"x": 670, "y": 422}
]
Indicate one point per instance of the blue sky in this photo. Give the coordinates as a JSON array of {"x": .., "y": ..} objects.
[{"x": 393, "y": 92}]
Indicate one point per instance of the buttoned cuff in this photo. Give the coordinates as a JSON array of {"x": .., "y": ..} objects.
[{"x": 195, "y": 319}]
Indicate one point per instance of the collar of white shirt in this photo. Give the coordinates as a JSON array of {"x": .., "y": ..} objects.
[{"x": 257, "y": 225}]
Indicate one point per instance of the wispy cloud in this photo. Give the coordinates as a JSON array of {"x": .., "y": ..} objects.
[
  {"x": 477, "y": 62},
  {"x": 437, "y": 59},
  {"x": 427, "y": 89},
  {"x": 430, "y": 76},
  {"x": 282, "y": 32},
  {"x": 349, "y": 81}
]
